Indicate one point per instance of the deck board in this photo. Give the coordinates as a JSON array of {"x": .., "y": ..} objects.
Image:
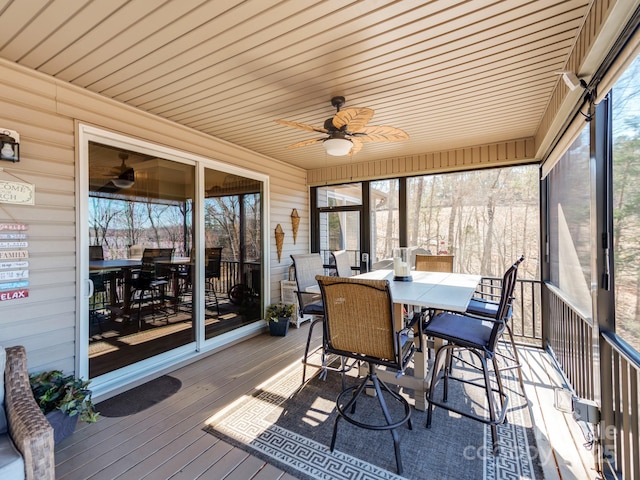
[
  {"x": 134, "y": 446},
  {"x": 559, "y": 440},
  {"x": 167, "y": 440}
]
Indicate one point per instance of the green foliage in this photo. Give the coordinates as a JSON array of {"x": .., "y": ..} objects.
[
  {"x": 279, "y": 310},
  {"x": 55, "y": 391}
]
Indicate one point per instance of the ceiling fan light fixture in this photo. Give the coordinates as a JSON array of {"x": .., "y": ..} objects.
[
  {"x": 125, "y": 180},
  {"x": 127, "y": 176},
  {"x": 338, "y": 147},
  {"x": 122, "y": 183}
]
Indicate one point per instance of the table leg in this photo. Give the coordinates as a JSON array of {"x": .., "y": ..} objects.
[
  {"x": 126, "y": 294},
  {"x": 113, "y": 297},
  {"x": 420, "y": 367}
]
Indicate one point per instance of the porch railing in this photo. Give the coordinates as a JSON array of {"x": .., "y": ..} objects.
[
  {"x": 620, "y": 405},
  {"x": 571, "y": 340},
  {"x": 231, "y": 274},
  {"x": 527, "y": 312}
]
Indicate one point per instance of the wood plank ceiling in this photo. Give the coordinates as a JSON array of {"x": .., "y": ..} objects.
[{"x": 450, "y": 73}]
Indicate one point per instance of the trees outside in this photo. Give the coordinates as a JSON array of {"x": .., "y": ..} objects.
[
  {"x": 117, "y": 223},
  {"x": 626, "y": 203},
  {"x": 485, "y": 218}
]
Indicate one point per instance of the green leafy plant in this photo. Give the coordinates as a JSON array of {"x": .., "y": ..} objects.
[
  {"x": 55, "y": 391},
  {"x": 276, "y": 311}
]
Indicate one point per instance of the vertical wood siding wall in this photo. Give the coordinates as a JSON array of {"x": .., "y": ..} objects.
[
  {"x": 44, "y": 112},
  {"x": 481, "y": 156}
]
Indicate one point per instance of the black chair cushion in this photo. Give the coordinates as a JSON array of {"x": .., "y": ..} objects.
[
  {"x": 459, "y": 329},
  {"x": 315, "y": 308},
  {"x": 484, "y": 308}
]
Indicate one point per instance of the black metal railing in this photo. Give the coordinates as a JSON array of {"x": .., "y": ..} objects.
[
  {"x": 620, "y": 406},
  {"x": 614, "y": 386},
  {"x": 232, "y": 274},
  {"x": 571, "y": 341},
  {"x": 527, "y": 312}
]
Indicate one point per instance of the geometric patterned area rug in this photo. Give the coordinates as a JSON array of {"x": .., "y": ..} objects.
[{"x": 290, "y": 426}]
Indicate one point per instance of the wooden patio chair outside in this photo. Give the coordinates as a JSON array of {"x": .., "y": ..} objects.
[{"x": 434, "y": 263}]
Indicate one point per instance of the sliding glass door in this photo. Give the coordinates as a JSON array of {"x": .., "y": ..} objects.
[
  {"x": 233, "y": 231},
  {"x": 171, "y": 253},
  {"x": 140, "y": 245}
]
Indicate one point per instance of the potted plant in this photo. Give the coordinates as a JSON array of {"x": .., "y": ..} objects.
[
  {"x": 279, "y": 316},
  {"x": 63, "y": 400}
]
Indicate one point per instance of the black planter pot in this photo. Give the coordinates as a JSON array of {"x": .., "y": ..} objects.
[
  {"x": 63, "y": 425},
  {"x": 279, "y": 328}
]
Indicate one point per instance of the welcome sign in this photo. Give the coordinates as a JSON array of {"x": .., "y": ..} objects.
[{"x": 17, "y": 193}]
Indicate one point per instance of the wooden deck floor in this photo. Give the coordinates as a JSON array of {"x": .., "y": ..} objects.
[{"x": 167, "y": 440}]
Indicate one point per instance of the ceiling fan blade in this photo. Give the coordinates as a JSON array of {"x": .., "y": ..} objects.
[
  {"x": 354, "y": 118},
  {"x": 302, "y": 126},
  {"x": 381, "y": 133},
  {"x": 304, "y": 143},
  {"x": 357, "y": 146}
]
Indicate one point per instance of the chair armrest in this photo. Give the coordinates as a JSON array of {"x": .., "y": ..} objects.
[
  {"x": 305, "y": 295},
  {"x": 30, "y": 431}
]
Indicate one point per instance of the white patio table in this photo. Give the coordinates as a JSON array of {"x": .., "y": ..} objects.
[{"x": 439, "y": 290}]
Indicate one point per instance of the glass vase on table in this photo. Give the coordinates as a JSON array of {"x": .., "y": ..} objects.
[{"x": 401, "y": 265}]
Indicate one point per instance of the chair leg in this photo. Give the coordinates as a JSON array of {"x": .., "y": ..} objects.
[
  {"x": 387, "y": 416},
  {"x": 140, "y": 297},
  {"x": 447, "y": 372},
  {"x": 496, "y": 416},
  {"x": 210, "y": 288},
  {"x": 490, "y": 400},
  {"x": 371, "y": 380},
  {"x": 434, "y": 378},
  {"x": 215, "y": 296},
  {"x": 357, "y": 391},
  {"x": 515, "y": 357},
  {"x": 306, "y": 348}
]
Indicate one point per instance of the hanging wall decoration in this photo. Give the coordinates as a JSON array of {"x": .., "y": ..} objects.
[
  {"x": 295, "y": 223},
  {"x": 279, "y": 241}
]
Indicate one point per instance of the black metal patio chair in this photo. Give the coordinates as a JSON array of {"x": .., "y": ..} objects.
[
  {"x": 479, "y": 336},
  {"x": 486, "y": 304}
]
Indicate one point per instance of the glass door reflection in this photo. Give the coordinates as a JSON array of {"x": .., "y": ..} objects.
[
  {"x": 141, "y": 237},
  {"x": 233, "y": 263}
]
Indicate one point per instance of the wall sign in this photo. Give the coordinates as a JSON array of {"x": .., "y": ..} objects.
[
  {"x": 14, "y": 275},
  {"x": 9, "y": 265},
  {"x": 17, "y": 193},
  {"x": 13, "y": 254},
  {"x": 14, "y": 285},
  {"x": 14, "y": 294},
  {"x": 14, "y": 244},
  {"x": 14, "y": 266},
  {"x": 13, "y": 236},
  {"x": 13, "y": 227}
]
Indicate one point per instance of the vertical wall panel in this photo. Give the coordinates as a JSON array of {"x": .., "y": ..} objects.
[{"x": 512, "y": 152}]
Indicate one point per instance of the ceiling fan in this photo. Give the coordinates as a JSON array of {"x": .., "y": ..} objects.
[
  {"x": 347, "y": 130},
  {"x": 124, "y": 176}
]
